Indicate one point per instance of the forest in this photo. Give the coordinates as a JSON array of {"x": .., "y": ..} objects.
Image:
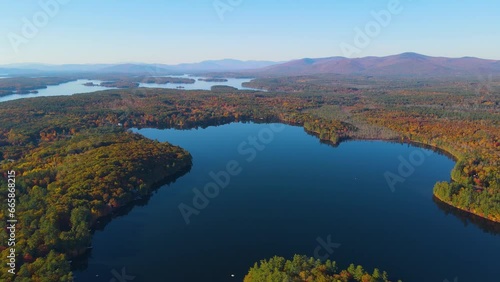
[
  {"x": 303, "y": 268},
  {"x": 68, "y": 179},
  {"x": 76, "y": 161}
]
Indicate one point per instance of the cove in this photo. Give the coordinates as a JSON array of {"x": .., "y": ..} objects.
[{"x": 296, "y": 196}]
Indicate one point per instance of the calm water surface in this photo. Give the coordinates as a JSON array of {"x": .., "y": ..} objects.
[
  {"x": 77, "y": 87},
  {"x": 64, "y": 89},
  {"x": 294, "y": 193},
  {"x": 200, "y": 85}
]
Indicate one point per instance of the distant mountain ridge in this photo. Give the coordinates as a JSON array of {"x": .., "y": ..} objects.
[
  {"x": 224, "y": 65},
  {"x": 405, "y": 64},
  {"x": 402, "y": 64},
  {"x": 205, "y": 66}
]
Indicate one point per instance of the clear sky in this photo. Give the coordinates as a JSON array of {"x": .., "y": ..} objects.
[{"x": 176, "y": 31}]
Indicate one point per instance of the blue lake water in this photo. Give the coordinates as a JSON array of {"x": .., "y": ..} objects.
[
  {"x": 64, "y": 89},
  {"x": 201, "y": 85},
  {"x": 77, "y": 87},
  {"x": 293, "y": 192}
]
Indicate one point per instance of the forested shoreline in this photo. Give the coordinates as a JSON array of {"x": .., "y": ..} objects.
[
  {"x": 66, "y": 150},
  {"x": 303, "y": 268}
]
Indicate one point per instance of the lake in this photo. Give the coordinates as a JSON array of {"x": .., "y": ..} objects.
[
  {"x": 288, "y": 194},
  {"x": 63, "y": 89},
  {"x": 201, "y": 85},
  {"x": 77, "y": 87}
]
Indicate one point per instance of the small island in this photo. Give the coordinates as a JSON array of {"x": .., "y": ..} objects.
[
  {"x": 120, "y": 84},
  {"x": 166, "y": 80},
  {"x": 213, "y": 79},
  {"x": 26, "y": 91},
  {"x": 90, "y": 84}
]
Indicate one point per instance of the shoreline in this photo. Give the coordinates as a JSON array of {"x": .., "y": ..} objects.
[
  {"x": 420, "y": 144},
  {"x": 439, "y": 150},
  {"x": 465, "y": 210},
  {"x": 399, "y": 140},
  {"x": 154, "y": 184}
]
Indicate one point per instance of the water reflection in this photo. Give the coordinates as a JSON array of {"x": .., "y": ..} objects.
[
  {"x": 80, "y": 263},
  {"x": 466, "y": 218}
]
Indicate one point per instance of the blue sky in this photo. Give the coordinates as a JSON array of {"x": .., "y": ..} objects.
[{"x": 176, "y": 31}]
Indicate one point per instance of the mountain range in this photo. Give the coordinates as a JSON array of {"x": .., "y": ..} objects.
[
  {"x": 130, "y": 68},
  {"x": 406, "y": 64}
]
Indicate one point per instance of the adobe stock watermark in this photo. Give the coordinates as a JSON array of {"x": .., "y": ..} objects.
[
  {"x": 121, "y": 276},
  {"x": 31, "y": 26},
  {"x": 363, "y": 36},
  {"x": 454, "y": 280},
  {"x": 325, "y": 248},
  {"x": 221, "y": 180},
  {"x": 222, "y": 7},
  {"x": 406, "y": 167}
]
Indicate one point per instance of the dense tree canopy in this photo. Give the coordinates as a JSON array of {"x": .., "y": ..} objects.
[
  {"x": 65, "y": 185},
  {"x": 76, "y": 161},
  {"x": 305, "y": 269}
]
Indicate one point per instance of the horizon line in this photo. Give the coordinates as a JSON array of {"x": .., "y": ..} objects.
[{"x": 242, "y": 60}]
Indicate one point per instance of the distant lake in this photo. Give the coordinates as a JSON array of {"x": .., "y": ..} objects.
[
  {"x": 64, "y": 89},
  {"x": 295, "y": 193},
  {"x": 77, "y": 87},
  {"x": 200, "y": 85}
]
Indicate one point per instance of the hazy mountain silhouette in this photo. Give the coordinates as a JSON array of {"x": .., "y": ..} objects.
[{"x": 402, "y": 64}]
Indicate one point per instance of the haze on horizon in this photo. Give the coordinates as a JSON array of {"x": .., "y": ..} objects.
[{"x": 183, "y": 31}]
